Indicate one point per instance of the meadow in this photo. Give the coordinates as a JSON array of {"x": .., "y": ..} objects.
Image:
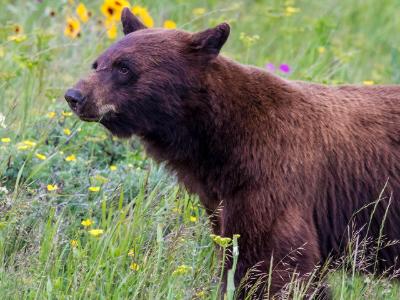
[{"x": 84, "y": 215}]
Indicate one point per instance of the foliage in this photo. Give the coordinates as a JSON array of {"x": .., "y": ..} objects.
[{"x": 85, "y": 215}]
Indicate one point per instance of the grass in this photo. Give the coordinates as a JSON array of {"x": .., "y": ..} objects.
[{"x": 156, "y": 242}]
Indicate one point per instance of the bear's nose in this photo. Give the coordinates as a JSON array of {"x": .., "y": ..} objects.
[{"x": 74, "y": 97}]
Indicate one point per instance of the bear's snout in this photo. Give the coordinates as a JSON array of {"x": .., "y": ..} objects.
[{"x": 74, "y": 98}]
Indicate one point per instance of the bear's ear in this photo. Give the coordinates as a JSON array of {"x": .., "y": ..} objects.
[
  {"x": 211, "y": 40},
  {"x": 130, "y": 22}
]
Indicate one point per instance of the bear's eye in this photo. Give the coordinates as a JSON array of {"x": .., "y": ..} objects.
[{"x": 123, "y": 70}]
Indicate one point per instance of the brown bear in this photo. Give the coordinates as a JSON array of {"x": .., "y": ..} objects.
[{"x": 293, "y": 167}]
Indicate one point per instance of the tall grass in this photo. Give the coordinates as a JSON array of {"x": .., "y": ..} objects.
[{"x": 156, "y": 242}]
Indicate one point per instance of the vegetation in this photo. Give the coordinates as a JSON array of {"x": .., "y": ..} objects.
[{"x": 86, "y": 216}]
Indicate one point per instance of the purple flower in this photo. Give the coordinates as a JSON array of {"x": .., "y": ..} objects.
[
  {"x": 284, "y": 68},
  {"x": 270, "y": 67}
]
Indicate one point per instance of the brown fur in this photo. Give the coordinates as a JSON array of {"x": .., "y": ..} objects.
[{"x": 288, "y": 163}]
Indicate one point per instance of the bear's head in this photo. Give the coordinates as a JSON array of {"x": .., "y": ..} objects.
[{"x": 149, "y": 83}]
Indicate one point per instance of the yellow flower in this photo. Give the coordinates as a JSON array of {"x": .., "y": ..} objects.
[
  {"x": 368, "y": 82},
  {"x": 111, "y": 29},
  {"x": 181, "y": 270},
  {"x": 113, "y": 167},
  {"x": 134, "y": 266},
  {"x": 72, "y": 28},
  {"x": 5, "y": 140},
  {"x": 74, "y": 243},
  {"x": 2, "y": 52},
  {"x": 67, "y": 131},
  {"x": 71, "y": 157},
  {"x": 94, "y": 189},
  {"x": 222, "y": 241},
  {"x": 52, "y": 187},
  {"x": 40, "y": 156},
  {"x": 51, "y": 114},
  {"x": 199, "y": 11},
  {"x": 290, "y": 10},
  {"x": 193, "y": 219},
  {"x": 96, "y": 232},
  {"x": 82, "y": 12},
  {"x": 143, "y": 14},
  {"x": 18, "y": 35},
  {"x": 25, "y": 145},
  {"x": 169, "y": 24},
  {"x": 87, "y": 222},
  {"x": 66, "y": 113},
  {"x": 112, "y": 9},
  {"x": 321, "y": 50},
  {"x": 201, "y": 294},
  {"x": 131, "y": 253}
]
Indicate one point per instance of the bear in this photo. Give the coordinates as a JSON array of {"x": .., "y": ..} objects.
[{"x": 293, "y": 167}]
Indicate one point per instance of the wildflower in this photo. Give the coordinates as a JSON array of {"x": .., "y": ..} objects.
[
  {"x": 368, "y": 82},
  {"x": 66, "y": 113},
  {"x": 199, "y": 11},
  {"x": 74, "y": 243},
  {"x": 67, "y": 131},
  {"x": 169, "y": 24},
  {"x": 200, "y": 294},
  {"x": 284, "y": 68},
  {"x": 321, "y": 50},
  {"x": 270, "y": 67},
  {"x": 113, "y": 167},
  {"x": 40, "y": 156},
  {"x": 52, "y": 187},
  {"x": 131, "y": 253},
  {"x": 87, "y": 222},
  {"x": 221, "y": 241},
  {"x": 5, "y": 140},
  {"x": 82, "y": 12},
  {"x": 51, "y": 114},
  {"x": 18, "y": 35},
  {"x": 25, "y": 145},
  {"x": 94, "y": 189},
  {"x": 71, "y": 157},
  {"x": 111, "y": 29},
  {"x": 134, "y": 266},
  {"x": 96, "y": 232},
  {"x": 112, "y": 9},
  {"x": 143, "y": 14},
  {"x": 193, "y": 219},
  {"x": 290, "y": 10},
  {"x": 73, "y": 28},
  {"x": 181, "y": 270}
]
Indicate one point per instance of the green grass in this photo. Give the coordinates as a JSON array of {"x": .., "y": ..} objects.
[{"x": 139, "y": 206}]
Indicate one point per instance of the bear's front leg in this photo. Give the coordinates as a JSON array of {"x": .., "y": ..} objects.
[{"x": 287, "y": 247}]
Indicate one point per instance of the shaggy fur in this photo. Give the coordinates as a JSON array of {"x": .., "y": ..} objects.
[{"x": 287, "y": 165}]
